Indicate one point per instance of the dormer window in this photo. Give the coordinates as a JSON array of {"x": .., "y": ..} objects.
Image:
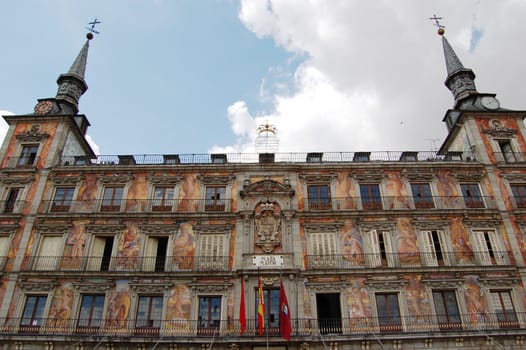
[{"x": 28, "y": 155}]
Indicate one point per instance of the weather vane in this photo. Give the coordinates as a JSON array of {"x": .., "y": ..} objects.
[
  {"x": 437, "y": 23},
  {"x": 93, "y": 24}
]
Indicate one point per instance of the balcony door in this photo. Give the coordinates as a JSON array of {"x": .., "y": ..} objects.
[{"x": 329, "y": 313}]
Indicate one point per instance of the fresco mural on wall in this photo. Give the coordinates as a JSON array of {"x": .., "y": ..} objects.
[
  {"x": 447, "y": 190},
  {"x": 129, "y": 246},
  {"x": 358, "y": 301},
  {"x": 407, "y": 246},
  {"x": 351, "y": 244},
  {"x": 460, "y": 241},
  {"x": 417, "y": 297},
  {"x": 88, "y": 193},
  {"x": 75, "y": 243},
  {"x": 345, "y": 191},
  {"x": 178, "y": 309},
  {"x": 13, "y": 248},
  {"x": 475, "y": 301},
  {"x": 183, "y": 250},
  {"x": 119, "y": 306},
  {"x": 137, "y": 194},
  {"x": 189, "y": 194},
  {"x": 60, "y": 311},
  {"x": 397, "y": 195}
]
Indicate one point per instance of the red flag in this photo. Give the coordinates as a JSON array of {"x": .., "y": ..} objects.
[
  {"x": 242, "y": 316},
  {"x": 285, "y": 327},
  {"x": 261, "y": 308}
]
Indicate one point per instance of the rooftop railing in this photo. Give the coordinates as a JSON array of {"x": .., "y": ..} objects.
[
  {"x": 297, "y": 157},
  {"x": 301, "y": 327}
]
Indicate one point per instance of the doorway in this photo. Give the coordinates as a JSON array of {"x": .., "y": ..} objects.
[{"x": 329, "y": 313}]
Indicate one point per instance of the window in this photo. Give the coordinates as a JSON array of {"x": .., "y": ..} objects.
[
  {"x": 422, "y": 195},
  {"x": 209, "y": 317},
  {"x": 28, "y": 155},
  {"x": 155, "y": 254},
  {"x": 507, "y": 151},
  {"x": 112, "y": 198},
  {"x": 62, "y": 199},
  {"x": 215, "y": 198},
  {"x": 434, "y": 250},
  {"x": 163, "y": 198},
  {"x": 12, "y": 201},
  {"x": 329, "y": 313},
  {"x": 4, "y": 248},
  {"x": 504, "y": 309},
  {"x": 90, "y": 314},
  {"x": 487, "y": 248},
  {"x": 32, "y": 315},
  {"x": 49, "y": 253},
  {"x": 446, "y": 308},
  {"x": 271, "y": 300},
  {"x": 319, "y": 197},
  {"x": 381, "y": 249},
  {"x": 519, "y": 194},
  {"x": 323, "y": 249},
  {"x": 471, "y": 194},
  {"x": 212, "y": 252},
  {"x": 149, "y": 310},
  {"x": 388, "y": 312},
  {"x": 100, "y": 256},
  {"x": 370, "y": 195}
]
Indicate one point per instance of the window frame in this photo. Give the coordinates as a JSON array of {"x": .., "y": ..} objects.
[
  {"x": 371, "y": 201},
  {"x": 510, "y": 316},
  {"x": 155, "y": 305},
  {"x": 422, "y": 200},
  {"x": 518, "y": 191},
  {"x": 13, "y": 205},
  {"x": 472, "y": 200},
  {"x": 65, "y": 202},
  {"x": 317, "y": 199},
  {"x": 215, "y": 202},
  {"x": 36, "y": 320},
  {"x": 163, "y": 203},
  {"x": 49, "y": 262},
  {"x": 212, "y": 251},
  {"x": 488, "y": 247},
  {"x": 29, "y": 159},
  {"x": 447, "y": 325},
  {"x": 92, "y": 323},
  {"x": 388, "y": 327},
  {"x": 115, "y": 203},
  {"x": 380, "y": 249},
  {"x": 428, "y": 248},
  {"x": 271, "y": 297},
  {"x": 212, "y": 324}
]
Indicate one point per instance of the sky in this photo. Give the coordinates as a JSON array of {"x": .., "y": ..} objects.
[{"x": 190, "y": 77}]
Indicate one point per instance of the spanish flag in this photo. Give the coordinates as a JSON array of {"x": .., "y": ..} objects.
[{"x": 261, "y": 308}]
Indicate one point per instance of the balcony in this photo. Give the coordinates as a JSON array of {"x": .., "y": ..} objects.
[
  {"x": 11, "y": 207},
  {"x": 224, "y": 329},
  {"x": 399, "y": 260},
  {"x": 233, "y": 158},
  {"x": 136, "y": 206},
  {"x": 22, "y": 162},
  {"x": 128, "y": 264}
]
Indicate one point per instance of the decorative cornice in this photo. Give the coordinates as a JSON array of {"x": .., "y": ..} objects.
[
  {"x": 220, "y": 229},
  {"x": 53, "y": 228},
  {"x": 394, "y": 284},
  {"x": 368, "y": 177},
  {"x": 475, "y": 175},
  {"x": 430, "y": 225},
  {"x": 210, "y": 288},
  {"x": 7, "y": 229},
  {"x": 474, "y": 223},
  {"x": 216, "y": 179},
  {"x": 317, "y": 177},
  {"x": 380, "y": 225},
  {"x": 33, "y": 134},
  {"x": 514, "y": 177},
  {"x": 116, "y": 178},
  {"x": 267, "y": 187},
  {"x": 16, "y": 180},
  {"x": 105, "y": 229},
  {"x": 327, "y": 286},
  {"x": 322, "y": 226},
  {"x": 66, "y": 180},
  {"x": 422, "y": 174},
  {"x": 499, "y": 281},
  {"x": 37, "y": 286},
  {"x": 154, "y": 287},
  {"x": 164, "y": 179},
  {"x": 443, "y": 283},
  {"x": 158, "y": 229},
  {"x": 94, "y": 287}
]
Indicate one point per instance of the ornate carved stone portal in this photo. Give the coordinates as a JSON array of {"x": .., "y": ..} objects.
[{"x": 267, "y": 218}]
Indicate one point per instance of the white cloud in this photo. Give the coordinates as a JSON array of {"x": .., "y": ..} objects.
[
  {"x": 3, "y": 125},
  {"x": 373, "y": 72}
]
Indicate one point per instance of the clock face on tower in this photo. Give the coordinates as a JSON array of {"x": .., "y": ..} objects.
[
  {"x": 43, "y": 107},
  {"x": 490, "y": 102}
]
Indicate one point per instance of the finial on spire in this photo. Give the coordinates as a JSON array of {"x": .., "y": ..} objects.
[{"x": 441, "y": 27}]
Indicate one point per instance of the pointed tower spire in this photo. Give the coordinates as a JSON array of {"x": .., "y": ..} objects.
[
  {"x": 72, "y": 85},
  {"x": 460, "y": 80}
]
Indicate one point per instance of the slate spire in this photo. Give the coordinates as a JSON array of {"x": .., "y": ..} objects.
[
  {"x": 71, "y": 85},
  {"x": 460, "y": 80}
]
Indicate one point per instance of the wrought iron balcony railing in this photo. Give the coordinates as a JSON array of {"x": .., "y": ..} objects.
[
  {"x": 301, "y": 327},
  {"x": 401, "y": 203},
  {"x": 135, "y": 206},
  {"x": 22, "y": 162},
  {"x": 425, "y": 259},
  {"x": 11, "y": 207},
  {"x": 300, "y": 157},
  {"x": 128, "y": 264}
]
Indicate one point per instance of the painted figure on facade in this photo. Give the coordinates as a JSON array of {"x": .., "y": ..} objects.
[
  {"x": 358, "y": 300},
  {"x": 418, "y": 299},
  {"x": 118, "y": 309},
  {"x": 352, "y": 244},
  {"x": 475, "y": 301},
  {"x": 396, "y": 192},
  {"x": 137, "y": 194},
  {"x": 407, "y": 242},
  {"x": 60, "y": 311},
  {"x": 183, "y": 251},
  {"x": 459, "y": 240},
  {"x": 447, "y": 190},
  {"x": 129, "y": 245},
  {"x": 178, "y": 309},
  {"x": 88, "y": 193}
]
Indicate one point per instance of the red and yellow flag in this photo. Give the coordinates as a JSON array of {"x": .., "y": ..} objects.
[
  {"x": 261, "y": 308},
  {"x": 242, "y": 316}
]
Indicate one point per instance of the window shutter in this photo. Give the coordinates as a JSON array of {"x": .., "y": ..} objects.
[
  {"x": 49, "y": 253},
  {"x": 374, "y": 258},
  {"x": 498, "y": 252},
  {"x": 4, "y": 246},
  {"x": 150, "y": 254},
  {"x": 446, "y": 252},
  {"x": 392, "y": 258},
  {"x": 428, "y": 248},
  {"x": 97, "y": 251},
  {"x": 481, "y": 248}
]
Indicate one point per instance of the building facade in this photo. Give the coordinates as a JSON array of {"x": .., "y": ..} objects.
[{"x": 388, "y": 250}]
